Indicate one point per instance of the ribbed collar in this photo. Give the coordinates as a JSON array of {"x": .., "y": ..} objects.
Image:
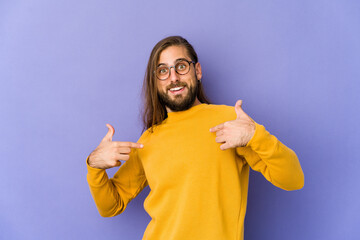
[{"x": 177, "y": 116}]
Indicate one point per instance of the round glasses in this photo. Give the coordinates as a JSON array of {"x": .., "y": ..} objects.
[{"x": 182, "y": 67}]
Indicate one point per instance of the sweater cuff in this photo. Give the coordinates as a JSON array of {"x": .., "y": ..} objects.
[
  {"x": 261, "y": 140},
  {"x": 255, "y": 140},
  {"x": 95, "y": 176}
]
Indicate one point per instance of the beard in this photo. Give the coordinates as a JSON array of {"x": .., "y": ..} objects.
[{"x": 179, "y": 103}]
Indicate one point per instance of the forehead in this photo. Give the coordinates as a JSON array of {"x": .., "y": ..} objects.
[{"x": 170, "y": 54}]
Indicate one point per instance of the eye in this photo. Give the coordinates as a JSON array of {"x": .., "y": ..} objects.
[
  {"x": 181, "y": 66},
  {"x": 162, "y": 70}
]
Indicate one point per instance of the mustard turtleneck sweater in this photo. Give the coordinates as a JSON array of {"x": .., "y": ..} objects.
[{"x": 198, "y": 191}]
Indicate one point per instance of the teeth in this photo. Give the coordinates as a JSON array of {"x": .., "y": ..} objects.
[{"x": 176, "y": 89}]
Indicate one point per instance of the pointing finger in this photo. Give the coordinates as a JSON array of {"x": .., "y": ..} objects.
[
  {"x": 128, "y": 144},
  {"x": 217, "y": 128}
]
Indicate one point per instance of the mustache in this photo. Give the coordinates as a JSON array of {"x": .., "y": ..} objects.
[{"x": 178, "y": 84}]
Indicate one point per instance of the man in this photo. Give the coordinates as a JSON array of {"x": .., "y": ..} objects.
[{"x": 194, "y": 156}]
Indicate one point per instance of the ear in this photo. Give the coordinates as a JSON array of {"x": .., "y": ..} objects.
[{"x": 198, "y": 71}]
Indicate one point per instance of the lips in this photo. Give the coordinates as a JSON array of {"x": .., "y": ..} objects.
[{"x": 176, "y": 90}]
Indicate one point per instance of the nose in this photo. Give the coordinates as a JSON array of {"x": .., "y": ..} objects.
[{"x": 173, "y": 75}]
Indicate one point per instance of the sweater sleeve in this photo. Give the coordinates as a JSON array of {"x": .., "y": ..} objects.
[
  {"x": 278, "y": 163},
  {"x": 112, "y": 195}
]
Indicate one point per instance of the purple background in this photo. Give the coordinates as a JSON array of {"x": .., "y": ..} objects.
[{"x": 69, "y": 67}]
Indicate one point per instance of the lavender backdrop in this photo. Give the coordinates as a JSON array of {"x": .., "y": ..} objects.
[{"x": 69, "y": 67}]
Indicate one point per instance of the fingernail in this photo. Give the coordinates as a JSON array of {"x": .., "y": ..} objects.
[{"x": 141, "y": 145}]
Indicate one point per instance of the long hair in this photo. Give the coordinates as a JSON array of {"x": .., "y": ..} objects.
[{"x": 154, "y": 111}]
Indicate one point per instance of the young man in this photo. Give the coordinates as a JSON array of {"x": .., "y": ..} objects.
[{"x": 194, "y": 156}]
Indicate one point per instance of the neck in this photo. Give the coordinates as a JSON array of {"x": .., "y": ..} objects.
[{"x": 196, "y": 102}]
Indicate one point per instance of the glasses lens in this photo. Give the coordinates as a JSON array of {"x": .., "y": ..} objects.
[
  {"x": 182, "y": 67},
  {"x": 162, "y": 72}
]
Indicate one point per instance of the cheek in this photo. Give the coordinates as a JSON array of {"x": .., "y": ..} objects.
[
  {"x": 161, "y": 86},
  {"x": 188, "y": 80},
  {"x": 191, "y": 82}
]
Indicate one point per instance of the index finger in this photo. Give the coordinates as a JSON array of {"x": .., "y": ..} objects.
[
  {"x": 217, "y": 128},
  {"x": 128, "y": 144}
]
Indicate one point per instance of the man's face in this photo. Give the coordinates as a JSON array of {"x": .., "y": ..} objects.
[{"x": 178, "y": 92}]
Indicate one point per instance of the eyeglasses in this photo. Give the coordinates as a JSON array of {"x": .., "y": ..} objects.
[{"x": 182, "y": 67}]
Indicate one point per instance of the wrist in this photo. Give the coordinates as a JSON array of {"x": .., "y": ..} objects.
[
  {"x": 252, "y": 134},
  {"x": 89, "y": 161}
]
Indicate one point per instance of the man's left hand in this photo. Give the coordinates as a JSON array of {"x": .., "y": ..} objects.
[{"x": 235, "y": 133}]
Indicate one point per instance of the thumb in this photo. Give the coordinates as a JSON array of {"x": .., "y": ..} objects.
[
  {"x": 109, "y": 134},
  {"x": 239, "y": 111}
]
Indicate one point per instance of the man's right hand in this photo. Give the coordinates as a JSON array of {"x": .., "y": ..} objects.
[{"x": 108, "y": 154}]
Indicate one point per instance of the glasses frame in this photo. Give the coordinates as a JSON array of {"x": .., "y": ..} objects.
[{"x": 173, "y": 66}]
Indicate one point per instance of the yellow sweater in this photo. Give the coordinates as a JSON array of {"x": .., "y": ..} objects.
[{"x": 197, "y": 191}]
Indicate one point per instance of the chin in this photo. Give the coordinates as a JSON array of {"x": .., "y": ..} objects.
[{"x": 180, "y": 102}]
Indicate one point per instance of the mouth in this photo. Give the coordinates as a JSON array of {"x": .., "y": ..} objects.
[{"x": 177, "y": 90}]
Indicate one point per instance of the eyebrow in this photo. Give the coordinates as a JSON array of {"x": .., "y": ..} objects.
[{"x": 177, "y": 60}]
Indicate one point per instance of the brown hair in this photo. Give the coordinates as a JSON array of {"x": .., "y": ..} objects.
[{"x": 154, "y": 111}]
